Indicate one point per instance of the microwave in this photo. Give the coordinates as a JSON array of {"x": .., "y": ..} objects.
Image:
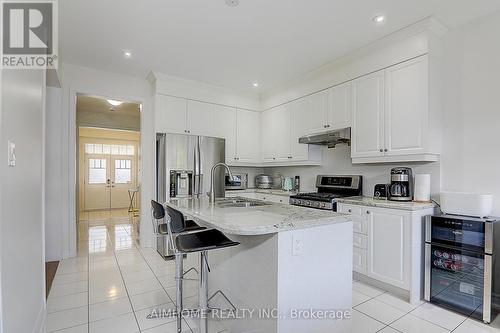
[{"x": 239, "y": 181}]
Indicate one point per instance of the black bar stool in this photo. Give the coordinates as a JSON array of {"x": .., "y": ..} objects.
[
  {"x": 202, "y": 242},
  {"x": 176, "y": 229}
]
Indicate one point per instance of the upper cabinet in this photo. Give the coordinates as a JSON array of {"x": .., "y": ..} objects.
[
  {"x": 248, "y": 136},
  {"x": 170, "y": 114},
  {"x": 200, "y": 118},
  {"x": 315, "y": 106},
  {"x": 367, "y": 132},
  {"x": 339, "y": 107},
  {"x": 391, "y": 115},
  {"x": 225, "y": 127}
]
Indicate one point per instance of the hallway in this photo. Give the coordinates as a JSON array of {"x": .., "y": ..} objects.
[{"x": 113, "y": 284}]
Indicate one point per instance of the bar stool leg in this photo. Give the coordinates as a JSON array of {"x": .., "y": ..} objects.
[
  {"x": 203, "y": 292},
  {"x": 179, "y": 272}
]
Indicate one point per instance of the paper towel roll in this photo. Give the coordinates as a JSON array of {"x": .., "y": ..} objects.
[{"x": 422, "y": 187}]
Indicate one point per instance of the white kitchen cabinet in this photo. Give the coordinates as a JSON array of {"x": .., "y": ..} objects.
[
  {"x": 248, "y": 136},
  {"x": 299, "y": 120},
  {"x": 367, "y": 133},
  {"x": 200, "y": 118},
  {"x": 339, "y": 106},
  {"x": 391, "y": 117},
  {"x": 281, "y": 135},
  {"x": 225, "y": 127},
  {"x": 170, "y": 114},
  {"x": 268, "y": 143},
  {"x": 406, "y": 107},
  {"x": 315, "y": 107},
  {"x": 389, "y": 245}
]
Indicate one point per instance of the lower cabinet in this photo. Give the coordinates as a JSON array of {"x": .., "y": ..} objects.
[{"x": 382, "y": 243}]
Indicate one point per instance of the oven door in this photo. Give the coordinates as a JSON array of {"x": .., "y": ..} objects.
[
  {"x": 458, "y": 233},
  {"x": 459, "y": 280}
]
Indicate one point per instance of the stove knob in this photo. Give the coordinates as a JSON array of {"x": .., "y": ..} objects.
[
  {"x": 307, "y": 203},
  {"x": 323, "y": 205},
  {"x": 298, "y": 202}
]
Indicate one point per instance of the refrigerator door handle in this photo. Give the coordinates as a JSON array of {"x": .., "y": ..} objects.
[{"x": 197, "y": 169}]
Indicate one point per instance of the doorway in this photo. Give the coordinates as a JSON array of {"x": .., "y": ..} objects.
[{"x": 108, "y": 156}]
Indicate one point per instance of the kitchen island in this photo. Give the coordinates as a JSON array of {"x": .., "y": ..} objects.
[{"x": 293, "y": 266}]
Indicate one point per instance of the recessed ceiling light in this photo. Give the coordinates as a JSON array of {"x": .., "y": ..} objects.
[
  {"x": 255, "y": 84},
  {"x": 232, "y": 3},
  {"x": 114, "y": 102},
  {"x": 379, "y": 19},
  {"x": 127, "y": 54}
]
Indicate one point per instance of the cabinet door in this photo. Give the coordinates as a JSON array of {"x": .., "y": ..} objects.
[
  {"x": 170, "y": 114},
  {"x": 298, "y": 127},
  {"x": 268, "y": 142},
  {"x": 281, "y": 133},
  {"x": 389, "y": 246},
  {"x": 367, "y": 134},
  {"x": 316, "y": 108},
  {"x": 359, "y": 260},
  {"x": 200, "y": 118},
  {"x": 225, "y": 127},
  {"x": 406, "y": 107},
  {"x": 339, "y": 106},
  {"x": 247, "y": 136}
]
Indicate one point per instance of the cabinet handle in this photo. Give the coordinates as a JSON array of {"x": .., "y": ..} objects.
[
  {"x": 381, "y": 150},
  {"x": 349, "y": 210},
  {"x": 368, "y": 212},
  {"x": 386, "y": 150},
  {"x": 327, "y": 126}
]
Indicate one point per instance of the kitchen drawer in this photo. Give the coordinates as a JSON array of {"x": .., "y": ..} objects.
[
  {"x": 359, "y": 240},
  {"x": 359, "y": 260},
  {"x": 351, "y": 209}
]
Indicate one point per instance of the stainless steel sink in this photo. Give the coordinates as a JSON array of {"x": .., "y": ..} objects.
[{"x": 239, "y": 202}]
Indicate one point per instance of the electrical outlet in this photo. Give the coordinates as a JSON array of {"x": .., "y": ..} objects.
[
  {"x": 11, "y": 150},
  {"x": 297, "y": 244}
]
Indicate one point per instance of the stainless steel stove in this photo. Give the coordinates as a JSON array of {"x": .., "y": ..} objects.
[{"x": 329, "y": 189}]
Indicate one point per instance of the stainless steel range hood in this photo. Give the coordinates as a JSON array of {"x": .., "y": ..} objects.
[{"x": 330, "y": 139}]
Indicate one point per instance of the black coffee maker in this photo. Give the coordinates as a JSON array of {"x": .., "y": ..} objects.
[{"x": 401, "y": 188}]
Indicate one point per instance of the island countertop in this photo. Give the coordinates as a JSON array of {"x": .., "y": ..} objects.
[{"x": 257, "y": 220}]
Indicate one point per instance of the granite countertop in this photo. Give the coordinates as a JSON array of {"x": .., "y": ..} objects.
[
  {"x": 262, "y": 190},
  {"x": 370, "y": 201},
  {"x": 257, "y": 220}
]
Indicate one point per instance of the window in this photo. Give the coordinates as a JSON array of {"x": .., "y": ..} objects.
[
  {"x": 99, "y": 149},
  {"x": 97, "y": 171},
  {"x": 123, "y": 171}
]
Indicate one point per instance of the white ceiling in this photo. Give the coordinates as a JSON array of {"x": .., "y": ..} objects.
[
  {"x": 269, "y": 41},
  {"x": 96, "y": 104}
]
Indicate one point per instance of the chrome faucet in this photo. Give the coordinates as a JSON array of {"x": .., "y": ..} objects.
[{"x": 212, "y": 188}]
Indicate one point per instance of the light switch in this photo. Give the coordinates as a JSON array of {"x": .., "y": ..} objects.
[
  {"x": 298, "y": 244},
  {"x": 11, "y": 150}
]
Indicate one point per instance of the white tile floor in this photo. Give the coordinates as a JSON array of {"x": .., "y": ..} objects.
[{"x": 113, "y": 284}]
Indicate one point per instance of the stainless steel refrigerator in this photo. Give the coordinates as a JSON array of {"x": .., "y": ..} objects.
[{"x": 183, "y": 165}]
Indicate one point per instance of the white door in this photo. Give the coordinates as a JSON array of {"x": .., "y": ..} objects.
[
  {"x": 97, "y": 189},
  {"x": 200, "y": 118},
  {"x": 316, "y": 107},
  {"x": 299, "y": 127},
  {"x": 248, "y": 136},
  {"x": 368, "y": 116},
  {"x": 389, "y": 247},
  {"x": 339, "y": 106},
  {"x": 123, "y": 178},
  {"x": 281, "y": 133},
  {"x": 406, "y": 107},
  {"x": 268, "y": 142},
  {"x": 171, "y": 114},
  {"x": 225, "y": 127},
  {"x": 110, "y": 171}
]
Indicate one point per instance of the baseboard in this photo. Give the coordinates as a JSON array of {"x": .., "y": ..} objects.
[{"x": 40, "y": 320}]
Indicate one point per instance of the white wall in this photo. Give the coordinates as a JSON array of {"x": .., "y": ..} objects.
[
  {"x": 337, "y": 161},
  {"x": 471, "y": 155},
  {"x": 21, "y": 237}
]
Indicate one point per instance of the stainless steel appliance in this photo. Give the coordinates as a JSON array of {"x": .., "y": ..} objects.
[
  {"x": 460, "y": 267},
  {"x": 329, "y": 188},
  {"x": 264, "y": 181},
  {"x": 381, "y": 191},
  {"x": 183, "y": 164},
  {"x": 239, "y": 181},
  {"x": 401, "y": 188},
  {"x": 330, "y": 138}
]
